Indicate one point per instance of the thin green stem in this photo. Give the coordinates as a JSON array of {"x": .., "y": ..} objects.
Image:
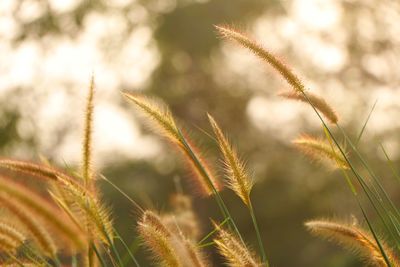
[
  {"x": 134, "y": 245},
  {"x": 208, "y": 244},
  {"x": 375, "y": 236},
  {"x": 216, "y": 194},
  {"x": 127, "y": 249},
  {"x": 365, "y": 123},
  {"x": 259, "y": 239},
  {"x": 99, "y": 256},
  {"x": 390, "y": 163},
  {"x": 212, "y": 232}
]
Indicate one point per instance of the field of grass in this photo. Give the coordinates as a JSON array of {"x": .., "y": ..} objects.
[{"x": 70, "y": 224}]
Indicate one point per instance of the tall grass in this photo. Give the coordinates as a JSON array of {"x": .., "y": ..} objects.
[{"x": 71, "y": 225}]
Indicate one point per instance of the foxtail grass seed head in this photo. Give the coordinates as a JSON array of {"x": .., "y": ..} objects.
[
  {"x": 35, "y": 228},
  {"x": 98, "y": 217},
  {"x": 10, "y": 237},
  {"x": 236, "y": 175},
  {"x": 157, "y": 239},
  {"x": 87, "y": 135},
  {"x": 42, "y": 209},
  {"x": 34, "y": 169},
  {"x": 163, "y": 120},
  {"x": 352, "y": 237},
  {"x": 235, "y": 35},
  {"x": 169, "y": 245},
  {"x": 235, "y": 253},
  {"x": 204, "y": 179},
  {"x": 320, "y": 150},
  {"x": 159, "y": 114},
  {"x": 318, "y": 102}
]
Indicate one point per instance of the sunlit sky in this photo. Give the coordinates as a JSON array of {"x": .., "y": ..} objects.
[{"x": 50, "y": 76}]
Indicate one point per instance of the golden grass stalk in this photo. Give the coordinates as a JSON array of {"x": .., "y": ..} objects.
[
  {"x": 235, "y": 252},
  {"x": 157, "y": 238},
  {"x": 15, "y": 234},
  {"x": 162, "y": 119},
  {"x": 88, "y": 206},
  {"x": 37, "y": 231},
  {"x": 34, "y": 169},
  {"x": 87, "y": 136},
  {"x": 158, "y": 113},
  {"x": 320, "y": 150},
  {"x": 191, "y": 255},
  {"x": 235, "y": 35},
  {"x": 318, "y": 102},
  {"x": 7, "y": 245},
  {"x": 41, "y": 208},
  {"x": 170, "y": 248},
  {"x": 355, "y": 238},
  {"x": 10, "y": 238},
  {"x": 237, "y": 177},
  {"x": 203, "y": 176}
]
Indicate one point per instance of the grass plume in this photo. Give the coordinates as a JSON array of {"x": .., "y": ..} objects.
[
  {"x": 41, "y": 208},
  {"x": 35, "y": 228},
  {"x": 156, "y": 237},
  {"x": 169, "y": 247},
  {"x": 235, "y": 252},
  {"x": 352, "y": 237},
  {"x": 237, "y": 177},
  {"x": 11, "y": 238},
  {"x": 235, "y": 35},
  {"x": 320, "y": 150},
  {"x": 87, "y": 135},
  {"x": 317, "y": 101},
  {"x": 163, "y": 120}
]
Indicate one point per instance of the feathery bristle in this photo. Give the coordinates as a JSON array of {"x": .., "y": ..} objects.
[
  {"x": 235, "y": 253},
  {"x": 87, "y": 135},
  {"x": 7, "y": 245},
  {"x": 191, "y": 255},
  {"x": 157, "y": 238},
  {"x": 159, "y": 114},
  {"x": 10, "y": 237},
  {"x": 203, "y": 175},
  {"x": 258, "y": 50},
  {"x": 37, "y": 170},
  {"x": 43, "y": 209},
  {"x": 169, "y": 246},
  {"x": 163, "y": 119},
  {"x": 351, "y": 236},
  {"x": 38, "y": 233},
  {"x": 318, "y": 102},
  {"x": 320, "y": 150},
  {"x": 97, "y": 216},
  {"x": 237, "y": 177}
]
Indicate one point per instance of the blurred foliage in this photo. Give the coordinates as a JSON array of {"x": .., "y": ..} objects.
[{"x": 188, "y": 77}]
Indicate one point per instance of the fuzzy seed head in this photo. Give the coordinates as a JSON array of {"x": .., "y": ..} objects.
[
  {"x": 318, "y": 102},
  {"x": 157, "y": 239},
  {"x": 159, "y": 114},
  {"x": 237, "y": 177},
  {"x": 162, "y": 118},
  {"x": 235, "y": 35},
  {"x": 87, "y": 135},
  {"x": 352, "y": 237},
  {"x": 235, "y": 253},
  {"x": 320, "y": 150},
  {"x": 41, "y": 208}
]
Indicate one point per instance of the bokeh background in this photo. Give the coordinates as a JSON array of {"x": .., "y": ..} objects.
[{"x": 345, "y": 50}]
